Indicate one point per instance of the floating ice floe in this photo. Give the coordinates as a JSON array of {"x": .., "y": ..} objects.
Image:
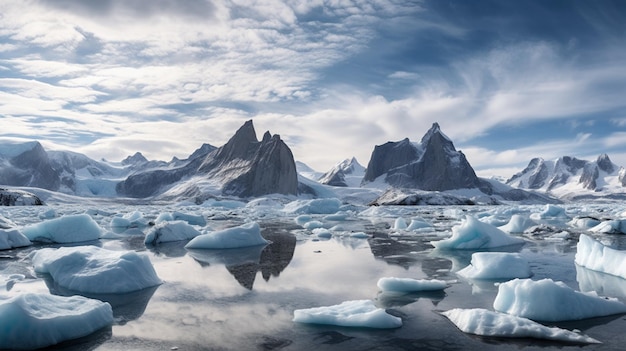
[
  {"x": 30, "y": 321},
  {"x": 248, "y": 234},
  {"x": 517, "y": 224},
  {"x": 410, "y": 285},
  {"x": 179, "y": 216},
  {"x": 550, "y": 301},
  {"x": 316, "y": 206},
  {"x": 164, "y": 232},
  {"x": 550, "y": 211},
  {"x": 66, "y": 229},
  {"x": 615, "y": 226},
  {"x": 584, "y": 222},
  {"x": 134, "y": 219},
  {"x": 496, "y": 265},
  {"x": 11, "y": 238},
  {"x": 358, "y": 313},
  {"x": 482, "y": 322},
  {"x": 90, "y": 269},
  {"x": 474, "y": 234},
  {"x": 399, "y": 224},
  {"x": 593, "y": 255},
  {"x": 339, "y": 216},
  {"x": 322, "y": 233}
]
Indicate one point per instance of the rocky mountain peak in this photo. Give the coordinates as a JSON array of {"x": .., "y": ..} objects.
[
  {"x": 136, "y": 159},
  {"x": 604, "y": 163}
]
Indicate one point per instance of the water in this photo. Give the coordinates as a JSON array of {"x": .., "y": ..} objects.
[{"x": 244, "y": 299}]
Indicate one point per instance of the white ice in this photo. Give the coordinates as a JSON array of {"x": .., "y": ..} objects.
[
  {"x": 410, "y": 285},
  {"x": 11, "y": 238},
  {"x": 517, "y": 224},
  {"x": 474, "y": 234},
  {"x": 550, "y": 211},
  {"x": 615, "y": 226},
  {"x": 593, "y": 255},
  {"x": 483, "y": 322},
  {"x": 316, "y": 206},
  {"x": 584, "y": 222},
  {"x": 66, "y": 229},
  {"x": 134, "y": 219},
  {"x": 164, "y": 232},
  {"x": 179, "y": 216},
  {"x": 30, "y": 321},
  {"x": 90, "y": 269},
  {"x": 245, "y": 235},
  {"x": 550, "y": 301},
  {"x": 357, "y": 313},
  {"x": 496, "y": 265}
]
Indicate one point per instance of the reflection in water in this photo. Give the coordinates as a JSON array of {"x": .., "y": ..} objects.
[
  {"x": 89, "y": 342},
  {"x": 394, "y": 252},
  {"x": 602, "y": 283},
  {"x": 126, "y": 307},
  {"x": 462, "y": 258},
  {"x": 244, "y": 263},
  {"x": 390, "y": 299}
]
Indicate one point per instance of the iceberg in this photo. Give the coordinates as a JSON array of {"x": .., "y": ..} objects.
[
  {"x": 550, "y": 301},
  {"x": 473, "y": 234},
  {"x": 170, "y": 231},
  {"x": 31, "y": 321},
  {"x": 593, "y": 255},
  {"x": 357, "y": 313},
  {"x": 66, "y": 229},
  {"x": 11, "y": 238},
  {"x": 517, "y": 224},
  {"x": 410, "y": 285},
  {"x": 482, "y": 322},
  {"x": 179, "y": 216},
  {"x": 90, "y": 269},
  {"x": 245, "y": 235},
  {"x": 315, "y": 206},
  {"x": 496, "y": 265}
]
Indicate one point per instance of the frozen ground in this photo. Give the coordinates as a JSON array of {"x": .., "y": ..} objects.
[{"x": 245, "y": 298}]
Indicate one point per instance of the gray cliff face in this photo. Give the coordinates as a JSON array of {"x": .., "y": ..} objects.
[
  {"x": 589, "y": 176},
  {"x": 244, "y": 166},
  {"x": 622, "y": 176},
  {"x": 604, "y": 164},
  {"x": 31, "y": 168},
  {"x": 434, "y": 165}
]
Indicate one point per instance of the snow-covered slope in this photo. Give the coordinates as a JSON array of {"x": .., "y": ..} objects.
[
  {"x": 571, "y": 178},
  {"x": 347, "y": 173}
]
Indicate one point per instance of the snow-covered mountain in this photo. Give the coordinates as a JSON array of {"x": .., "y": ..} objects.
[
  {"x": 434, "y": 164},
  {"x": 27, "y": 164},
  {"x": 243, "y": 167},
  {"x": 347, "y": 173},
  {"x": 572, "y": 178}
]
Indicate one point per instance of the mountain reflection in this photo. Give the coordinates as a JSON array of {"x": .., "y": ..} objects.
[{"x": 244, "y": 263}]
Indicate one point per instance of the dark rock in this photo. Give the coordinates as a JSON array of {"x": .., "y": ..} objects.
[
  {"x": 589, "y": 176},
  {"x": 136, "y": 159},
  {"x": 30, "y": 168},
  {"x": 18, "y": 198}
]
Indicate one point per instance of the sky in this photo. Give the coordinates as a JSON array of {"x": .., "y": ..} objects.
[{"x": 506, "y": 80}]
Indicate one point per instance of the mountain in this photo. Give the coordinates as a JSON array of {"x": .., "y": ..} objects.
[
  {"x": 433, "y": 165},
  {"x": 347, "y": 173},
  {"x": 27, "y": 164},
  {"x": 420, "y": 173},
  {"x": 13, "y": 197},
  {"x": 243, "y": 167},
  {"x": 570, "y": 178}
]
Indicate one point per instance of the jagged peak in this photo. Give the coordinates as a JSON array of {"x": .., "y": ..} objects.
[
  {"x": 266, "y": 137},
  {"x": 137, "y": 158},
  {"x": 604, "y": 163},
  {"x": 435, "y": 130},
  {"x": 245, "y": 133}
]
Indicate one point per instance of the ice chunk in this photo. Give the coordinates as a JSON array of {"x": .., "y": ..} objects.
[
  {"x": 496, "y": 265},
  {"x": 66, "y": 229},
  {"x": 313, "y": 225},
  {"x": 227, "y": 204},
  {"x": 550, "y": 211},
  {"x": 399, "y": 224},
  {"x": 248, "y": 234},
  {"x": 482, "y": 322},
  {"x": 134, "y": 219},
  {"x": 170, "y": 231},
  {"x": 474, "y": 234},
  {"x": 616, "y": 226},
  {"x": 316, "y": 206},
  {"x": 418, "y": 223},
  {"x": 10, "y": 238},
  {"x": 31, "y": 321},
  {"x": 179, "y": 216},
  {"x": 359, "y": 235},
  {"x": 584, "y": 222},
  {"x": 593, "y": 255},
  {"x": 517, "y": 224},
  {"x": 357, "y": 313},
  {"x": 550, "y": 301},
  {"x": 90, "y": 269},
  {"x": 410, "y": 285},
  {"x": 322, "y": 232}
]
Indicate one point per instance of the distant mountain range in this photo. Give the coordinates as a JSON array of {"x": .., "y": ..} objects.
[
  {"x": 570, "y": 178},
  {"x": 403, "y": 172}
]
